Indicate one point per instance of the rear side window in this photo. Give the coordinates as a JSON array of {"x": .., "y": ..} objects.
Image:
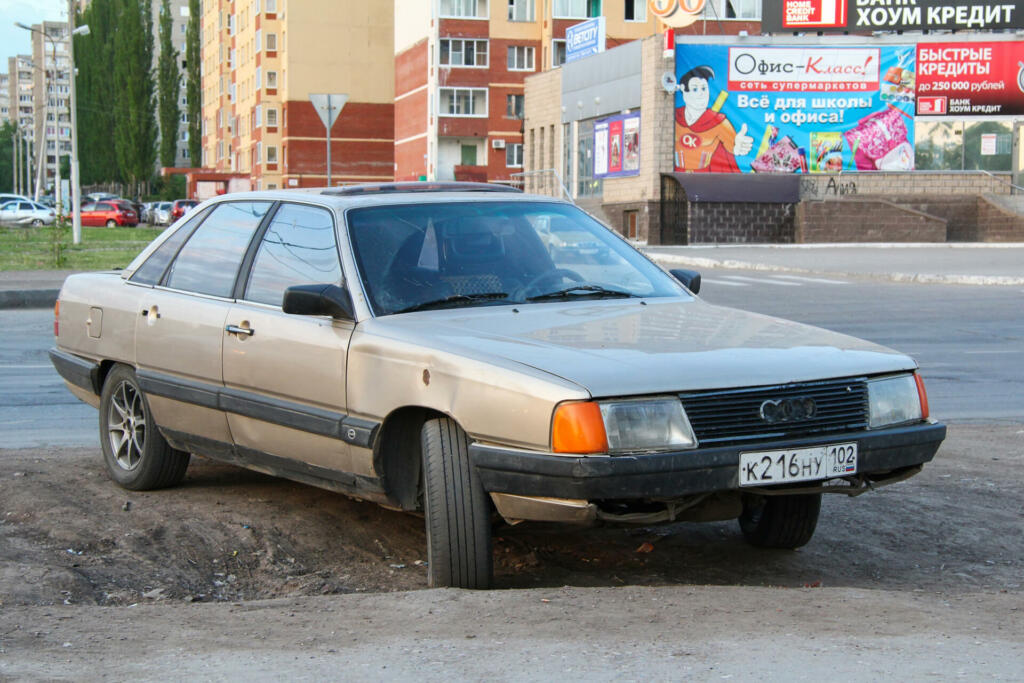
[
  {"x": 152, "y": 271},
  {"x": 104, "y": 207},
  {"x": 298, "y": 248},
  {"x": 209, "y": 261}
]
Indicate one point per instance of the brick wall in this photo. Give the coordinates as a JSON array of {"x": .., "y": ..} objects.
[
  {"x": 740, "y": 222},
  {"x": 865, "y": 220},
  {"x": 997, "y": 224}
]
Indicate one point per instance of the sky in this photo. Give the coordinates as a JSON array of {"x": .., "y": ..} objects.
[{"x": 14, "y": 40}]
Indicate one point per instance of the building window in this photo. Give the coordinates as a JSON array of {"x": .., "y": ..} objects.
[
  {"x": 557, "y": 53},
  {"x": 520, "y": 10},
  {"x": 514, "y": 106},
  {"x": 462, "y": 102},
  {"x": 466, "y": 9},
  {"x": 270, "y": 6},
  {"x": 457, "y": 52},
  {"x": 259, "y": 39},
  {"x": 514, "y": 155},
  {"x": 576, "y": 9},
  {"x": 520, "y": 58},
  {"x": 271, "y": 154},
  {"x": 271, "y": 42},
  {"x": 271, "y": 80},
  {"x": 636, "y": 10},
  {"x": 732, "y": 9},
  {"x": 272, "y": 118}
]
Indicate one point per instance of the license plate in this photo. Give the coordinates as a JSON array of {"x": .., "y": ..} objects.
[{"x": 762, "y": 468}]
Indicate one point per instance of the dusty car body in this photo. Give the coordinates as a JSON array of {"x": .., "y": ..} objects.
[{"x": 418, "y": 346}]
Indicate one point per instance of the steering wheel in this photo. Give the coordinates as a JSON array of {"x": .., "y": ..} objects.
[{"x": 556, "y": 275}]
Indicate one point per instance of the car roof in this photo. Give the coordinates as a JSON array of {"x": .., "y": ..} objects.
[{"x": 383, "y": 194}]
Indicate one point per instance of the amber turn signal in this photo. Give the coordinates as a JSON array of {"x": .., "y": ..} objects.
[
  {"x": 923, "y": 395},
  {"x": 578, "y": 428},
  {"x": 56, "y": 319}
]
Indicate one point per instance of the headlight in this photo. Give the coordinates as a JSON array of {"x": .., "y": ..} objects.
[
  {"x": 621, "y": 426},
  {"x": 895, "y": 400}
]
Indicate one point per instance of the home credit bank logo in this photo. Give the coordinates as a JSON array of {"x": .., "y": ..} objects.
[
  {"x": 676, "y": 13},
  {"x": 784, "y": 69},
  {"x": 799, "y": 14}
]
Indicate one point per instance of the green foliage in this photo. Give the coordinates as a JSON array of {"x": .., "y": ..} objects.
[
  {"x": 169, "y": 188},
  {"x": 193, "y": 84},
  {"x": 94, "y": 58},
  {"x": 167, "y": 87},
  {"x": 134, "y": 122},
  {"x": 6, "y": 157}
]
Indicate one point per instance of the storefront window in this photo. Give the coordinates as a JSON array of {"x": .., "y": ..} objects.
[
  {"x": 586, "y": 184},
  {"x": 964, "y": 145}
]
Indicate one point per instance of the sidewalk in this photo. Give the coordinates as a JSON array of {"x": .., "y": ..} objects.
[{"x": 946, "y": 263}]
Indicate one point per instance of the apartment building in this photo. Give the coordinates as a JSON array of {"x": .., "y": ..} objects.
[
  {"x": 262, "y": 59},
  {"x": 5, "y": 99},
  {"x": 460, "y": 67},
  {"x": 179, "y": 26},
  {"x": 50, "y": 68}
]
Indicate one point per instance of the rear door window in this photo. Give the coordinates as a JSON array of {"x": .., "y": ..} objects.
[{"x": 209, "y": 261}]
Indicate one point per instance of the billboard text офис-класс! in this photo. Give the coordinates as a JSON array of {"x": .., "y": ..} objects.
[{"x": 794, "y": 109}]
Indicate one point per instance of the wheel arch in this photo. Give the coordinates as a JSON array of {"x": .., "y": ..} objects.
[{"x": 397, "y": 454}]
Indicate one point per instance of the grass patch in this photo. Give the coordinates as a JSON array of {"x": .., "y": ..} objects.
[{"x": 50, "y": 248}]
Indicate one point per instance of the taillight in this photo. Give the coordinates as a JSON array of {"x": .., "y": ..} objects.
[{"x": 56, "y": 319}]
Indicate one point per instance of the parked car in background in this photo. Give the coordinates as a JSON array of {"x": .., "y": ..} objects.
[
  {"x": 417, "y": 344},
  {"x": 160, "y": 214},
  {"x": 99, "y": 196},
  {"x": 6, "y": 197},
  {"x": 109, "y": 213},
  {"x": 181, "y": 207},
  {"x": 146, "y": 213},
  {"x": 25, "y": 212}
]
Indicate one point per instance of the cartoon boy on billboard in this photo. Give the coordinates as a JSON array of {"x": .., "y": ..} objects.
[{"x": 705, "y": 139}]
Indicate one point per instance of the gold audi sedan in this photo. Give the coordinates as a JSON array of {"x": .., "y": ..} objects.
[{"x": 475, "y": 353}]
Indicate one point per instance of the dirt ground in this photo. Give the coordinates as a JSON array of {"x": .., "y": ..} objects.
[{"x": 74, "y": 547}]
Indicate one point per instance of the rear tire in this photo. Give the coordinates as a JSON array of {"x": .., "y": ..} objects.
[
  {"x": 36, "y": 222},
  {"x": 111, "y": 223},
  {"x": 136, "y": 455},
  {"x": 780, "y": 521},
  {"x": 458, "y": 513}
]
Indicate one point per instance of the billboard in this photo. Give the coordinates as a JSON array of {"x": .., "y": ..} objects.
[
  {"x": 810, "y": 109},
  {"x": 970, "y": 79},
  {"x": 889, "y": 15},
  {"x": 617, "y": 146},
  {"x": 584, "y": 39}
]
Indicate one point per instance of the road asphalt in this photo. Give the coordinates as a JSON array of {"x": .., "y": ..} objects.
[{"x": 966, "y": 263}]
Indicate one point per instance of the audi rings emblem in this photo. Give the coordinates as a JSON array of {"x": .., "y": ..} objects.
[{"x": 788, "y": 410}]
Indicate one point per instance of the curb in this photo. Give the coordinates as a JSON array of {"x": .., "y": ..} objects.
[
  {"x": 28, "y": 298},
  {"x": 922, "y": 278}
]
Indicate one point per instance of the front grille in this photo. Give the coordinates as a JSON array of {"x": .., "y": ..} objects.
[{"x": 730, "y": 416}]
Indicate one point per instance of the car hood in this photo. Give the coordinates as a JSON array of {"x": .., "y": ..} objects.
[{"x": 631, "y": 346}]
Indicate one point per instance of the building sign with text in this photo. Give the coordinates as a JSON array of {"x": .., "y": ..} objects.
[
  {"x": 584, "y": 39},
  {"x": 970, "y": 79},
  {"x": 890, "y": 15}
]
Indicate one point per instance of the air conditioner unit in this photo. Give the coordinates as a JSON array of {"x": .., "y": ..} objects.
[{"x": 498, "y": 144}]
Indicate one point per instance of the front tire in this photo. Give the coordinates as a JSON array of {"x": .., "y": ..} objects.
[
  {"x": 780, "y": 521},
  {"x": 136, "y": 455},
  {"x": 458, "y": 513}
]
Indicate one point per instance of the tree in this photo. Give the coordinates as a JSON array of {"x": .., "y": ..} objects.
[
  {"x": 7, "y": 157},
  {"x": 94, "y": 59},
  {"x": 167, "y": 87},
  {"x": 193, "y": 84},
  {"x": 134, "y": 122}
]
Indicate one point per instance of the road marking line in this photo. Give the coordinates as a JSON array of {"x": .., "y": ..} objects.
[
  {"x": 20, "y": 366},
  {"x": 812, "y": 279},
  {"x": 713, "y": 281},
  {"x": 994, "y": 351},
  {"x": 762, "y": 281}
]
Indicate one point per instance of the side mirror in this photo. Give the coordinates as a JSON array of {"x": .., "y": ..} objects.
[
  {"x": 329, "y": 300},
  {"x": 689, "y": 278}
]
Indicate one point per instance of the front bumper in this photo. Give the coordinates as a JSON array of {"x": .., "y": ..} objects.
[{"x": 681, "y": 473}]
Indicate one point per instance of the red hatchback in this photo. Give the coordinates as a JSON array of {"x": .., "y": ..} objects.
[{"x": 110, "y": 214}]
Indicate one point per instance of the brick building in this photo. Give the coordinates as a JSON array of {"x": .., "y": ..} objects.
[
  {"x": 460, "y": 67},
  {"x": 262, "y": 59},
  {"x": 961, "y": 189}
]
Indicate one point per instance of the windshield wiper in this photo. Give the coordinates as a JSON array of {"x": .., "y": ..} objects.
[
  {"x": 580, "y": 290},
  {"x": 454, "y": 299}
]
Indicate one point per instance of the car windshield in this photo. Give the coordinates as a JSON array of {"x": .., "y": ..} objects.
[{"x": 456, "y": 254}]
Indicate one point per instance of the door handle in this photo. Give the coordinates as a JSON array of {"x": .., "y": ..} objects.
[{"x": 235, "y": 329}]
